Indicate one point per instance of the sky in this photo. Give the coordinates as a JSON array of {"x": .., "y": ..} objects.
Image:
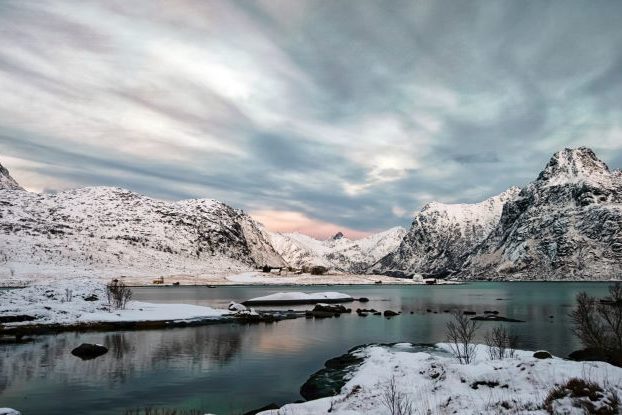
[{"x": 312, "y": 116}]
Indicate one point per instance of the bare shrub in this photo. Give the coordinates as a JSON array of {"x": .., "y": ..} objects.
[
  {"x": 68, "y": 295},
  {"x": 598, "y": 323},
  {"x": 501, "y": 344},
  {"x": 585, "y": 394},
  {"x": 460, "y": 334},
  {"x": 118, "y": 294},
  {"x": 397, "y": 402}
]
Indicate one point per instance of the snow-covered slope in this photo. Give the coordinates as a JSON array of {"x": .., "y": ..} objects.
[
  {"x": 442, "y": 234},
  {"x": 338, "y": 253},
  {"x": 567, "y": 224},
  {"x": 103, "y": 231},
  {"x": 6, "y": 181}
]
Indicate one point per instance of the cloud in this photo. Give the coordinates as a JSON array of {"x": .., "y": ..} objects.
[{"x": 345, "y": 113}]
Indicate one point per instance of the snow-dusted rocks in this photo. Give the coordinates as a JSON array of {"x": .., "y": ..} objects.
[
  {"x": 337, "y": 253},
  {"x": 567, "y": 224},
  {"x": 9, "y": 411},
  {"x": 441, "y": 236},
  {"x": 300, "y": 298},
  {"x": 6, "y": 181},
  {"x": 434, "y": 382},
  {"x": 108, "y": 232}
]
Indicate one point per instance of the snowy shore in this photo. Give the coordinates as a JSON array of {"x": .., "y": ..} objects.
[
  {"x": 433, "y": 381},
  {"x": 222, "y": 277},
  {"x": 83, "y": 301}
]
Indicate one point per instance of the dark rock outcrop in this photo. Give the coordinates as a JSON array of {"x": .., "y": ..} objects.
[{"x": 88, "y": 351}]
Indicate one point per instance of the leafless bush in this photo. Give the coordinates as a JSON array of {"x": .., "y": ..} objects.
[
  {"x": 460, "y": 334},
  {"x": 598, "y": 324},
  {"x": 68, "y": 295},
  {"x": 118, "y": 294},
  {"x": 501, "y": 344},
  {"x": 398, "y": 403}
]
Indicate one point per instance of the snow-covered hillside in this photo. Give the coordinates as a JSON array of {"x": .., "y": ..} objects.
[
  {"x": 442, "y": 234},
  {"x": 103, "y": 231},
  {"x": 6, "y": 181},
  {"x": 567, "y": 224},
  {"x": 338, "y": 253}
]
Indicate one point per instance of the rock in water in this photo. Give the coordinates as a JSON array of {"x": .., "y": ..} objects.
[
  {"x": 542, "y": 354},
  {"x": 88, "y": 351}
]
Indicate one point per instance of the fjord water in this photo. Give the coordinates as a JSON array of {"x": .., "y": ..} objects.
[{"x": 230, "y": 369}]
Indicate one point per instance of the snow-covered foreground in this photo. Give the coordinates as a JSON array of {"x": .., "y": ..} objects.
[
  {"x": 81, "y": 300},
  {"x": 435, "y": 383}
]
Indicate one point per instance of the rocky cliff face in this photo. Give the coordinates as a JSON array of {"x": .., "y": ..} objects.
[
  {"x": 567, "y": 224},
  {"x": 6, "y": 181},
  {"x": 104, "y": 231},
  {"x": 338, "y": 253},
  {"x": 441, "y": 235}
]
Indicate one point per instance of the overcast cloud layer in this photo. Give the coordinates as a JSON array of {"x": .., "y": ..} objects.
[{"x": 311, "y": 115}]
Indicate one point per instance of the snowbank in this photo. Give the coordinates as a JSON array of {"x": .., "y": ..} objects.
[
  {"x": 84, "y": 301},
  {"x": 9, "y": 411},
  {"x": 435, "y": 382},
  {"x": 300, "y": 298}
]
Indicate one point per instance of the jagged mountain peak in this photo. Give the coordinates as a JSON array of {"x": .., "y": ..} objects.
[
  {"x": 340, "y": 254},
  {"x": 6, "y": 181},
  {"x": 572, "y": 164}
]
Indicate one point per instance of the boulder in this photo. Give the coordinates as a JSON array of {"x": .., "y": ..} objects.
[
  {"x": 542, "y": 354},
  {"x": 233, "y": 306},
  {"x": 88, "y": 351},
  {"x": 330, "y": 308},
  {"x": 469, "y": 313},
  {"x": 596, "y": 355},
  {"x": 92, "y": 297},
  {"x": 363, "y": 300},
  {"x": 390, "y": 313}
]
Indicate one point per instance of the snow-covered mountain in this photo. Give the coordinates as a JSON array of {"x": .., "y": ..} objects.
[
  {"x": 103, "y": 231},
  {"x": 567, "y": 224},
  {"x": 338, "y": 253},
  {"x": 441, "y": 235},
  {"x": 6, "y": 181}
]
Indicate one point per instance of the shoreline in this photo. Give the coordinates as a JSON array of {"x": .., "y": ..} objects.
[{"x": 359, "y": 381}]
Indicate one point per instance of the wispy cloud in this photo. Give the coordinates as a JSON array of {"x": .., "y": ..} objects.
[{"x": 344, "y": 114}]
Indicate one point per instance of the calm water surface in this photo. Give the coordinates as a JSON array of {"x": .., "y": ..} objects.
[{"x": 229, "y": 369}]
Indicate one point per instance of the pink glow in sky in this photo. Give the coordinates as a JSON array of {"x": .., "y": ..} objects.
[{"x": 290, "y": 221}]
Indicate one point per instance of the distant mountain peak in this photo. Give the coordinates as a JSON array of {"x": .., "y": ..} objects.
[
  {"x": 338, "y": 235},
  {"x": 572, "y": 164},
  {"x": 6, "y": 181}
]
